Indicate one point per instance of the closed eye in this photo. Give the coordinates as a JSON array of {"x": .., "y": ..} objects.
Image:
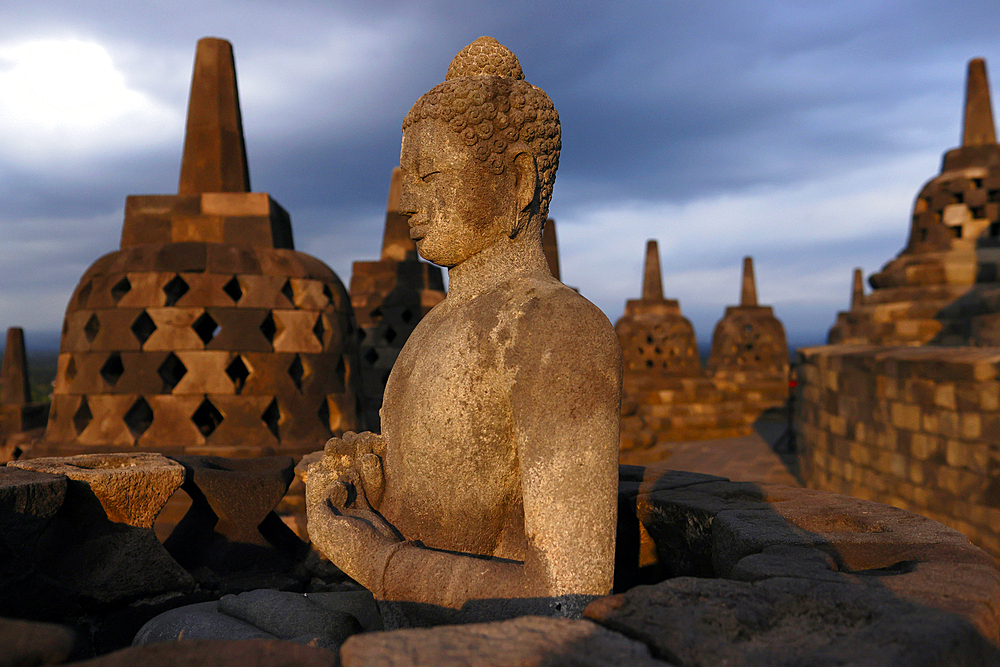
[{"x": 427, "y": 178}]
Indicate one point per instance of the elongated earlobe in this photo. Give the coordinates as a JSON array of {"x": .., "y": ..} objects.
[{"x": 526, "y": 188}]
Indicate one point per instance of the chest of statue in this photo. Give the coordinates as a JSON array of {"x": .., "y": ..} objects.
[{"x": 451, "y": 463}]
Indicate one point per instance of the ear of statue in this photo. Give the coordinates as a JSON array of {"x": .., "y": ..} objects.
[{"x": 525, "y": 190}]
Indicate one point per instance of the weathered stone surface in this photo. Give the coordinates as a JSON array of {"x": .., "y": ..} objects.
[
  {"x": 132, "y": 488},
  {"x": 27, "y": 644},
  {"x": 790, "y": 621},
  {"x": 100, "y": 543},
  {"x": 914, "y": 427},
  {"x": 251, "y": 652},
  {"x": 109, "y": 563},
  {"x": 500, "y": 417},
  {"x": 524, "y": 642},
  {"x": 231, "y": 524},
  {"x": 758, "y": 532},
  {"x": 291, "y": 615},
  {"x": 324, "y": 619},
  {"x": 28, "y": 500}
]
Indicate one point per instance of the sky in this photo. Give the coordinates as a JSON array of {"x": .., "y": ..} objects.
[{"x": 795, "y": 132}]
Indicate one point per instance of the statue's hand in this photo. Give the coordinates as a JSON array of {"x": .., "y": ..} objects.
[
  {"x": 356, "y": 538},
  {"x": 361, "y": 452}
]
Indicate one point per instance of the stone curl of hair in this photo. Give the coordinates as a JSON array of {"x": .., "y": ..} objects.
[{"x": 487, "y": 102}]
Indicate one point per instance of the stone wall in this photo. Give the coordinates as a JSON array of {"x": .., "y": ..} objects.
[{"x": 913, "y": 427}]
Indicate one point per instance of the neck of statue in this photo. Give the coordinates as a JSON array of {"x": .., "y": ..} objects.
[{"x": 497, "y": 264}]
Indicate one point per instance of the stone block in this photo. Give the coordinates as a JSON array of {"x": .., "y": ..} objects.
[
  {"x": 180, "y": 257},
  {"x": 529, "y": 641},
  {"x": 174, "y": 329},
  {"x": 239, "y": 330},
  {"x": 195, "y": 228},
  {"x": 172, "y": 427},
  {"x": 114, "y": 330},
  {"x": 205, "y": 373},
  {"x": 231, "y": 260},
  {"x": 132, "y": 488},
  {"x": 294, "y": 331},
  {"x": 905, "y": 415}
]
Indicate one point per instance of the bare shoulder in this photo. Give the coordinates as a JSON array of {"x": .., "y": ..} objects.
[{"x": 555, "y": 318}]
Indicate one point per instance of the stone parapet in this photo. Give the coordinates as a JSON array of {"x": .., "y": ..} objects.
[{"x": 913, "y": 427}]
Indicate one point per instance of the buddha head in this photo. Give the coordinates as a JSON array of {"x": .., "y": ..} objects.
[{"x": 479, "y": 156}]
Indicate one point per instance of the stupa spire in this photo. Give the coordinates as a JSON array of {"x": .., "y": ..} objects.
[
  {"x": 748, "y": 296},
  {"x": 857, "y": 289},
  {"x": 396, "y": 242},
  {"x": 652, "y": 282},
  {"x": 215, "y": 156},
  {"x": 14, "y": 388},
  {"x": 550, "y": 247},
  {"x": 978, "y": 128}
]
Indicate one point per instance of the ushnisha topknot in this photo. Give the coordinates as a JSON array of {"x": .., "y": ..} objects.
[
  {"x": 487, "y": 102},
  {"x": 485, "y": 57}
]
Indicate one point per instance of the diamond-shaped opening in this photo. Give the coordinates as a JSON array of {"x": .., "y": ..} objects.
[
  {"x": 83, "y": 295},
  {"x": 207, "y": 418},
  {"x": 319, "y": 329},
  {"x": 120, "y": 289},
  {"x": 112, "y": 369},
  {"x": 175, "y": 289},
  {"x": 139, "y": 417},
  {"x": 324, "y": 413},
  {"x": 371, "y": 356},
  {"x": 71, "y": 369},
  {"x": 376, "y": 313},
  {"x": 233, "y": 289},
  {"x": 171, "y": 371},
  {"x": 91, "y": 328},
  {"x": 82, "y": 416},
  {"x": 389, "y": 335},
  {"x": 268, "y": 328},
  {"x": 143, "y": 327},
  {"x": 238, "y": 372},
  {"x": 286, "y": 289},
  {"x": 296, "y": 371},
  {"x": 271, "y": 417},
  {"x": 206, "y": 328},
  {"x": 406, "y": 315},
  {"x": 328, "y": 293}
]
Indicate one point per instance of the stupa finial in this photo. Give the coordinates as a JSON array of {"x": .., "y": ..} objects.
[
  {"x": 652, "y": 282},
  {"x": 215, "y": 156},
  {"x": 748, "y": 295},
  {"x": 978, "y": 127}
]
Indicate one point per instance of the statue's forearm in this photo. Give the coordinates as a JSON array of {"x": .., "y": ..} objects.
[{"x": 448, "y": 579}]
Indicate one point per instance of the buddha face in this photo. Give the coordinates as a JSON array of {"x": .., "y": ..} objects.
[{"x": 457, "y": 207}]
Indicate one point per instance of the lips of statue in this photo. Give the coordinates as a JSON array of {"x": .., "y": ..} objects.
[{"x": 456, "y": 206}]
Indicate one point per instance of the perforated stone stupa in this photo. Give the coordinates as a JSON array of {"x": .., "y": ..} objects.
[
  {"x": 750, "y": 351},
  {"x": 666, "y": 395},
  {"x": 390, "y": 296},
  {"x": 207, "y": 333},
  {"x": 944, "y": 287}
]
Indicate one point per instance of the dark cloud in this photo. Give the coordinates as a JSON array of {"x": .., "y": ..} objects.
[{"x": 664, "y": 106}]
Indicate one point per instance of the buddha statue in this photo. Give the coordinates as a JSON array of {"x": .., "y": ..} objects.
[{"x": 491, "y": 490}]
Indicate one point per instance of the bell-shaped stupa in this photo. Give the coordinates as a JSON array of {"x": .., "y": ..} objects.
[
  {"x": 749, "y": 354},
  {"x": 206, "y": 333},
  {"x": 944, "y": 286}
]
